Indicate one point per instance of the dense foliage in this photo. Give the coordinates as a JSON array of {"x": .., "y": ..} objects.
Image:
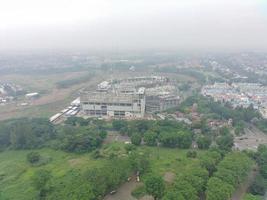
[
  {"x": 259, "y": 186},
  {"x": 33, "y": 157},
  {"x": 262, "y": 125},
  {"x": 231, "y": 171},
  {"x": 167, "y": 133},
  {"x": 26, "y": 133},
  {"x": 37, "y": 133},
  {"x": 154, "y": 186},
  {"x": 94, "y": 183}
]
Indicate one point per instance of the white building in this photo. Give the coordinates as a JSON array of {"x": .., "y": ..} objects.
[
  {"x": 103, "y": 86},
  {"x": 33, "y": 95}
]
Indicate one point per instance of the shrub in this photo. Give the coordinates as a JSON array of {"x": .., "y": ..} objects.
[
  {"x": 33, "y": 157},
  {"x": 139, "y": 192},
  {"x": 191, "y": 154}
]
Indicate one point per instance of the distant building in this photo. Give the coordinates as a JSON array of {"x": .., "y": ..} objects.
[{"x": 33, "y": 95}]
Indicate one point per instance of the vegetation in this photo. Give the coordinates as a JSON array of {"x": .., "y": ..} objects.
[
  {"x": 252, "y": 197},
  {"x": 41, "y": 181},
  {"x": 225, "y": 142},
  {"x": 37, "y": 133},
  {"x": 150, "y": 138},
  {"x": 262, "y": 125},
  {"x": 79, "y": 166},
  {"x": 154, "y": 186},
  {"x": 139, "y": 192},
  {"x": 231, "y": 171},
  {"x": 167, "y": 133},
  {"x": 259, "y": 186},
  {"x": 33, "y": 157},
  {"x": 203, "y": 142},
  {"x": 25, "y": 133},
  {"x": 136, "y": 139}
]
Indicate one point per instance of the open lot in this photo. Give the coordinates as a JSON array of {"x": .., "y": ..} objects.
[
  {"x": 52, "y": 99},
  {"x": 252, "y": 138}
]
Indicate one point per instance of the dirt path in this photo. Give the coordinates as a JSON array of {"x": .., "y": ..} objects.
[
  {"x": 124, "y": 191},
  {"x": 242, "y": 189}
]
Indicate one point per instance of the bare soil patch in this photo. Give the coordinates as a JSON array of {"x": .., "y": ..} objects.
[
  {"x": 169, "y": 177},
  {"x": 74, "y": 162}
]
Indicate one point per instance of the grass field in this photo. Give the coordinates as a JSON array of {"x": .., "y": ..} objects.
[
  {"x": 16, "y": 173},
  {"x": 171, "y": 160}
]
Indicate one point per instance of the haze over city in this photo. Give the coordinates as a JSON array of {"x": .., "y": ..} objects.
[
  {"x": 133, "y": 99},
  {"x": 133, "y": 25}
]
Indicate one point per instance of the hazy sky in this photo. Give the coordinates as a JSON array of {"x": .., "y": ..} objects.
[{"x": 133, "y": 24}]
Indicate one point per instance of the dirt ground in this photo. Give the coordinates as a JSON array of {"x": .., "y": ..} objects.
[
  {"x": 252, "y": 138},
  {"x": 52, "y": 102},
  {"x": 115, "y": 136},
  {"x": 124, "y": 191},
  {"x": 169, "y": 177}
]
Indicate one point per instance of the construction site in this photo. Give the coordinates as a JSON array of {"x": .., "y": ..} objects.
[{"x": 129, "y": 98}]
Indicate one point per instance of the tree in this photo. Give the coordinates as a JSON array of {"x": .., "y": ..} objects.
[
  {"x": 136, "y": 139},
  {"x": 150, "y": 138},
  {"x": 227, "y": 176},
  {"x": 218, "y": 190},
  {"x": 224, "y": 131},
  {"x": 263, "y": 170},
  {"x": 169, "y": 139},
  {"x": 203, "y": 142},
  {"x": 118, "y": 125},
  {"x": 173, "y": 195},
  {"x": 129, "y": 148},
  {"x": 225, "y": 142},
  {"x": 210, "y": 160},
  {"x": 186, "y": 189},
  {"x": 258, "y": 187},
  {"x": 26, "y": 133},
  {"x": 155, "y": 186},
  {"x": 33, "y": 157},
  {"x": 184, "y": 139},
  {"x": 139, "y": 162}
]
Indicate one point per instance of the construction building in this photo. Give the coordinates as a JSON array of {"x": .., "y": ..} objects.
[
  {"x": 129, "y": 98},
  {"x": 161, "y": 98},
  {"x": 112, "y": 104}
]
